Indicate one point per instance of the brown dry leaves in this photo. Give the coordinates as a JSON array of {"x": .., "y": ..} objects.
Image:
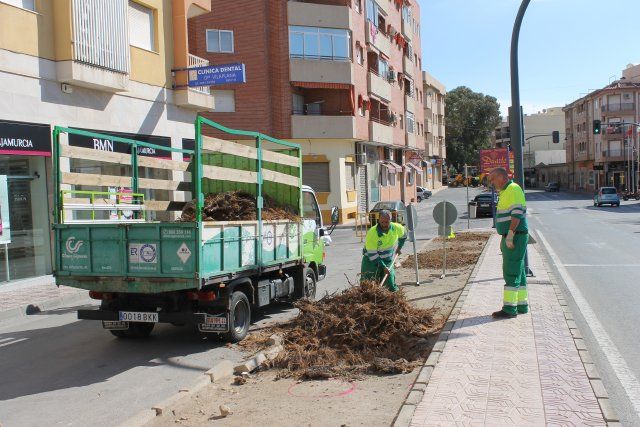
[
  {"x": 363, "y": 329},
  {"x": 237, "y": 206},
  {"x": 462, "y": 251}
]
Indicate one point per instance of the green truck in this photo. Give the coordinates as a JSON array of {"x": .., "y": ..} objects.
[{"x": 117, "y": 235}]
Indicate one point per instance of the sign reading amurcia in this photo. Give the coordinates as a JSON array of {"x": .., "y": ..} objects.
[
  {"x": 25, "y": 139},
  {"x": 217, "y": 75}
]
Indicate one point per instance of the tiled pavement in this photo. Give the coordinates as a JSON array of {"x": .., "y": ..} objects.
[
  {"x": 522, "y": 371},
  {"x": 42, "y": 292}
]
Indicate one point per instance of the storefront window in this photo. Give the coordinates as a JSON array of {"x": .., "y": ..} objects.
[{"x": 29, "y": 249}]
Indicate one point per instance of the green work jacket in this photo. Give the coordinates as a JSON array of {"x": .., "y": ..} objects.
[
  {"x": 380, "y": 247},
  {"x": 511, "y": 204}
]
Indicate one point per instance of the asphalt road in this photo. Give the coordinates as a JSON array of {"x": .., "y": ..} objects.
[
  {"x": 595, "y": 252},
  {"x": 57, "y": 370}
]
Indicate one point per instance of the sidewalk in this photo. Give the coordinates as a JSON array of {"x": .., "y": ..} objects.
[
  {"x": 522, "y": 371},
  {"x": 24, "y": 297}
]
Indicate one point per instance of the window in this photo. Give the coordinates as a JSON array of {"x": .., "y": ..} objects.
[
  {"x": 23, "y": 4},
  {"x": 298, "y": 104},
  {"x": 411, "y": 122},
  {"x": 310, "y": 207},
  {"x": 316, "y": 175},
  {"x": 319, "y": 43},
  {"x": 220, "y": 41},
  {"x": 141, "y": 25},
  {"x": 401, "y": 121},
  {"x": 373, "y": 11},
  {"x": 359, "y": 55},
  {"x": 410, "y": 176},
  {"x": 384, "y": 176},
  {"x": 407, "y": 14},
  {"x": 392, "y": 178},
  {"x": 383, "y": 68}
]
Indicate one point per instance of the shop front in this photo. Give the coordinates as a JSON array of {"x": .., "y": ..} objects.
[{"x": 25, "y": 166}]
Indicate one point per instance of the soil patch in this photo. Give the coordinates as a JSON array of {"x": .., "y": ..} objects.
[{"x": 237, "y": 206}]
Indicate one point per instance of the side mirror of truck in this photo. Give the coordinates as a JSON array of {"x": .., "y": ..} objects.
[{"x": 335, "y": 215}]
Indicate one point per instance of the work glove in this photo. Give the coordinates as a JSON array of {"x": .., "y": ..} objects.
[{"x": 509, "y": 240}]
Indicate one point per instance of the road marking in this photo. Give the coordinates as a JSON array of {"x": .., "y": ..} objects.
[
  {"x": 600, "y": 265},
  {"x": 13, "y": 342},
  {"x": 625, "y": 375},
  {"x": 5, "y": 339}
]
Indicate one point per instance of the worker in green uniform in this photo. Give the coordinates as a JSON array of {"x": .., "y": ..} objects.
[
  {"x": 511, "y": 223},
  {"x": 383, "y": 241}
]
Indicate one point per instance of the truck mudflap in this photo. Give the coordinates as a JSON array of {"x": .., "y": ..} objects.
[{"x": 119, "y": 320}]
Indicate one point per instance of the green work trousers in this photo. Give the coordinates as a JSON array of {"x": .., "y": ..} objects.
[
  {"x": 516, "y": 297},
  {"x": 370, "y": 270}
]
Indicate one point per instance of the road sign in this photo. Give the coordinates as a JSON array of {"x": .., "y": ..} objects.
[{"x": 445, "y": 213}]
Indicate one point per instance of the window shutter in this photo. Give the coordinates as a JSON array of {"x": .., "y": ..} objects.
[
  {"x": 141, "y": 26},
  {"x": 316, "y": 176}
]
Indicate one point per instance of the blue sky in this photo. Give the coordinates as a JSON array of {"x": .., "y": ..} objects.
[{"x": 567, "y": 47}]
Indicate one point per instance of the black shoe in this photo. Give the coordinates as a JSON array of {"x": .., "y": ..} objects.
[{"x": 503, "y": 315}]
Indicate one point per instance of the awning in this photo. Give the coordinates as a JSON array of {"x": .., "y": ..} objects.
[
  {"x": 414, "y": 167},
  {"x": 321, "y": 85},
  {"x": 393, "y": 167}
]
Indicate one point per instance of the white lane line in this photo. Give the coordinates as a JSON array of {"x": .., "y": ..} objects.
[
  {"x": 600, "y": 265},
  {"x": 625, "y": 375},
  {"x": 5, "y": 339},
  {"x": 13, "y": 342}
]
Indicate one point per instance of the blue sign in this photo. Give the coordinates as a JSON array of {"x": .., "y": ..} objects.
[{"x": 217, "y": 75}]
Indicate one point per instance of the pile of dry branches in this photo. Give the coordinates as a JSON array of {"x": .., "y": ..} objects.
[{"x": 237, "y": 206}]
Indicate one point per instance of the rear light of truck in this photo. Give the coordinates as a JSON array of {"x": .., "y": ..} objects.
[
  {"x": 202, "y": 296},
  {"x": 100, "y": 295}
]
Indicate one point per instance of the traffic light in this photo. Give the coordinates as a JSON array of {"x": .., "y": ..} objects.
[
  {"x": 555, "y": 135},
  {"x": 596, "y": 127}
]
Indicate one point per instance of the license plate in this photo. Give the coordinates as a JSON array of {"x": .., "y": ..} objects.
[
  {"x": 485, "y": 205},
  {"x": 115, "y": 325},
  {"x": 136, "y": 316},
  {"x": 214, "y": 324}
]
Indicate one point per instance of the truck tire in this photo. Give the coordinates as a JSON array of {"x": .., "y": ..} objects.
[
  {"x": 136, "y": 330},
  {"x": 239, "y": 317},
  {"x": 309, "y": 284}
]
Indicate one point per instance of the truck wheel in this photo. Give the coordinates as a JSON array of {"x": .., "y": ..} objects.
[
  {"x": 239, "y": 317},
  {"x": 309, "y": 284}
]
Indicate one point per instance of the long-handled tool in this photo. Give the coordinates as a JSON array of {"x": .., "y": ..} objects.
[{"x": 393, "y": 263}]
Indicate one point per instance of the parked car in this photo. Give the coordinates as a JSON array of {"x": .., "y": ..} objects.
[
  {"x": 483, "y": 203},
  {"x": 552, "y": 186},
  {"x": 606, "y": 196},
  {"x": 422, "y": 193},
  {"x": 397, "y": 209}
]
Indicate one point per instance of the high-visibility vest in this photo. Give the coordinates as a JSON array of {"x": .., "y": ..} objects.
[
  {"x": 379, "y": 245},
  {"x": 511, "y": 204}
]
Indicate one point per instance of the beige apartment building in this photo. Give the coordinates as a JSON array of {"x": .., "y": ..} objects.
[
  {"x": 434, "y": 121},
  {"x": 609, "y": 158},
  {"x": 116, "y": 66},
  {"x": 340, "y": 77},
  {"x": 539, "y": 151}
]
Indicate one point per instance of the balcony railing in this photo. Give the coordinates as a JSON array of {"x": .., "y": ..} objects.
[
  {"x": 306, "y": 112},
  {"x": 613, "y": 153},
  {"x": 195, "y": 62},
  {"x": 614, "y": 108},
  {"x": 93, "y": 44}
]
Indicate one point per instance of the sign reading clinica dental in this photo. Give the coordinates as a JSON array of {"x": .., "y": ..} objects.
[{"x": 217, "y": 75}]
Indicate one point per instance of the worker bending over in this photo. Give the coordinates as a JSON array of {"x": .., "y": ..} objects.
[{"x": 383, "y": 241}]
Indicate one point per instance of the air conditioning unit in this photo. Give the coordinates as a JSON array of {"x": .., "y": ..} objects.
[
  {"x": 361, "y": 159},
  {"x": 393, "y": 76}
]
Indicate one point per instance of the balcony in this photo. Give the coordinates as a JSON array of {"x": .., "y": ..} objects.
[
  {"x": 323, "y": 126},
  {"x": 195, "y": 98},
  {"x": 619, "y": 108},
  {"x": 378, "y": 85},
  {"x": 613, "y": 155},
  {"x": 318, "y": 15},
  {"x": 321, "y": 71},
  {"x": 408, "y": 66},
  {"x": 411, "y": 140},
  {"x": 380, "y": 132},
  {"x": 378, "y": 39},
  {"x": 407, "y": 30},
  {"x": 410, "y": 103}
]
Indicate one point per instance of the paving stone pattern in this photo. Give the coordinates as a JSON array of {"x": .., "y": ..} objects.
[
  {"x": 18, "y": 295},
  {"x": 522, "y": 371}
]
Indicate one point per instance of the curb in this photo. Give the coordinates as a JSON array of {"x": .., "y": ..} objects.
[
  {"x": 35, "y": 308},
  {"x": 220, "y": 371},
  {"x": 599, "y": 390},
  {"x": 405, "y": 414}
]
